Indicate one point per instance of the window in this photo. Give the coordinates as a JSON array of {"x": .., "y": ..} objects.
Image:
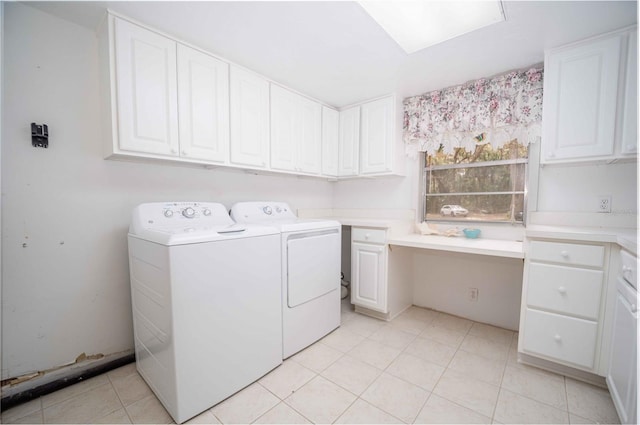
[{"x": 484, "y": 185}]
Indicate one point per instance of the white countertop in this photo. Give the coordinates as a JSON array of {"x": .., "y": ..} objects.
[
  {"x": 492, "y": 247},
  {"x": 400, "y": 224},
  {"x": 626, "y": 238}
]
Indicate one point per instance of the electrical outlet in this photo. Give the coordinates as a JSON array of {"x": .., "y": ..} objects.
[
  {"x": 473, "y": 294},
  {"x": 604, "y": 203}
]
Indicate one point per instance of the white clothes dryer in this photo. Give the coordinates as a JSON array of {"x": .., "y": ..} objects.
[
  {"x": 310, "y": 271},
  {"x": 206, "y": 298}
]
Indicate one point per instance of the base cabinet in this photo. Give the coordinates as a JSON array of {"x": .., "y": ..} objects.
[
  {"x": 622, "y": 375},
  {"x": 369, "y": 269},
  {"x": 563, "y": 302}
]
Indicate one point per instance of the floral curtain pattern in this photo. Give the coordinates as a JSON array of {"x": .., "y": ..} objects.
[{"x": 495, "y": 110}]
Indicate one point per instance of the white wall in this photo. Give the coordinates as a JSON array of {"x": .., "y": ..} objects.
[
  {"x": 391, "y": 192},
  {"x": 442, "y": 281},
  {"x": 575, "y": 188},
  {"x": 66, "y": 290}
]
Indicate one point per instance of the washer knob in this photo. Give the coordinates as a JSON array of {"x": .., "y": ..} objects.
[
  {"x": 189, "y": 212},
  {"x": 168, "y": 213},
  {"x": 278, "y": 209},
  {"x": 206, "y": 212},
  {"x": 267, "y": 210}
]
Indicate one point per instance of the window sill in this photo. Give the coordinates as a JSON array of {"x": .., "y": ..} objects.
[{"x": 481, "y": 246}]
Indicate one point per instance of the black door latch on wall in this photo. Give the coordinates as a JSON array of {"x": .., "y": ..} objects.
[{"x": 39, "y": 135}]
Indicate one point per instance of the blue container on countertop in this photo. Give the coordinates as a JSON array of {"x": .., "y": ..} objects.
[{"x": 471, "y": 233}]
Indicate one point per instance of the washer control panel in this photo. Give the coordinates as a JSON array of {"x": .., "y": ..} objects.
[
  {"x": 260, "y": 212},
  {"x": 187, "y": 210},
  {"x": 180, "y": 216}
]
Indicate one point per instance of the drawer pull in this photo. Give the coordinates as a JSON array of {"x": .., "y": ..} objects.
[
  {"x": 562, "y": 290},
  {"x": 367, "y": 235},
  {"x": 557, "y": 338},
  {"x": 564, "y": 254}
]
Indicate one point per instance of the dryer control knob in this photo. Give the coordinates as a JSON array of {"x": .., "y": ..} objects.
[
  {"x": 189, "y": 212},
  {"x": 278, "y": 209},
  {"x": 206, "y": 212},
  {"x": 267, "y": 210},
  {"x": 168, "y": 213}
]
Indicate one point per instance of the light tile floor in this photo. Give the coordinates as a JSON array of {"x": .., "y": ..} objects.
[{"x": 423, "y": 367}]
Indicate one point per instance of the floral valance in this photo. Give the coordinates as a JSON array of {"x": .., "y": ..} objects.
[{"x": 495, "y": 110}]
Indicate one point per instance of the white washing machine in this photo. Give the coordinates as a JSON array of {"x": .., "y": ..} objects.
[
  {"x": 310, "y": 271},
  {"x": 206, "y": 297}
]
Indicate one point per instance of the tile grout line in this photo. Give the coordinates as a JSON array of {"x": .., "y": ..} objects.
[{"x": 118, "y": 395}]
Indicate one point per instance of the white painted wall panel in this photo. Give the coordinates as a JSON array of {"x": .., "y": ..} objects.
[{"x": 442, "y": 280}]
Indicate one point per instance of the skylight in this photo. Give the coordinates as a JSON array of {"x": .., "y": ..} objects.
[{"x": 415, "y": 25}]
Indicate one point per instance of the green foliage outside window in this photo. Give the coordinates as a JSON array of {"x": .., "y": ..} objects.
[{"x": 489, "y": 183}]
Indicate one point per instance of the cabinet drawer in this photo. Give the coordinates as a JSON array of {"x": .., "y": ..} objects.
[
  {"x": 363, "y": 234},
  {"x": 567, "y": 253},
  {"x": 559, "y": 337},
  {"x": 565, "y": 289}
]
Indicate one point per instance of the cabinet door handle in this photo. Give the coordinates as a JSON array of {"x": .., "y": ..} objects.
[
  {"x": 557, "y": 338},
  {"x": 634, "y": 308},
  {"x": 562, "y": 290},
  {"x": 184, "y": 153},
  {"x": 564, "y": 254},
  {"x": 173, "y": 151}
]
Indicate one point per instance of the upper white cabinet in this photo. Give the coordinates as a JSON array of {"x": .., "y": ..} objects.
[
  {"x": 629, "y": 143},
  {"x": 349, "y": 142},
  {"x": 170, "y": 101},
  {"x": 585, "y": 85},
  {"x": 376, "y": 137},
  {"x": 330, "y": 141},
  {"x": 203, "y": 105},
  {"x": 146, "y": 91},
  {"x": 295, "y": 132},
  {"x": 249, "y": 119},
  {"x": 164, "y": 99}
]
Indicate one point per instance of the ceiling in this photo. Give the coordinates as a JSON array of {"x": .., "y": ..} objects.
[{"x": 336, "y": 53}]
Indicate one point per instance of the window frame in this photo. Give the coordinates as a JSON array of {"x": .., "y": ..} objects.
[{"x": 424, "y": 184}]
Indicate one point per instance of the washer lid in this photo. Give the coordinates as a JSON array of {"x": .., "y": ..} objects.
[{"x": 179, "y": 223}]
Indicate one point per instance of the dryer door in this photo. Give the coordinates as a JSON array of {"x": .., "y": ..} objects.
[{"x": 313, "y": 265}]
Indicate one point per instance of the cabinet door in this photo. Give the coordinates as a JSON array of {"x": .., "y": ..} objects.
[
  {"x": 309, "y": 153},
  {"x": 203, "y": 104},
  {"x": 249, "y": 118},
  {"x": 629, "y": 141},
  {"x": 622, "y": 375},
  {"x": 283, "y": 129},
  {"x": 146, "y": 91},
  {"x": 330, "y": 141},
  {"x": 368, "y": 276},
  {"x": 580, "y": 89},
  {"x": 376, "y": 138},
  {"x": 295, "y": 132},
  {"x": 349, "y": 142}
]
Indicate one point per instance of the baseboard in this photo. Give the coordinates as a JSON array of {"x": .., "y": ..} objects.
[{"x": 21, "y": 394}]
